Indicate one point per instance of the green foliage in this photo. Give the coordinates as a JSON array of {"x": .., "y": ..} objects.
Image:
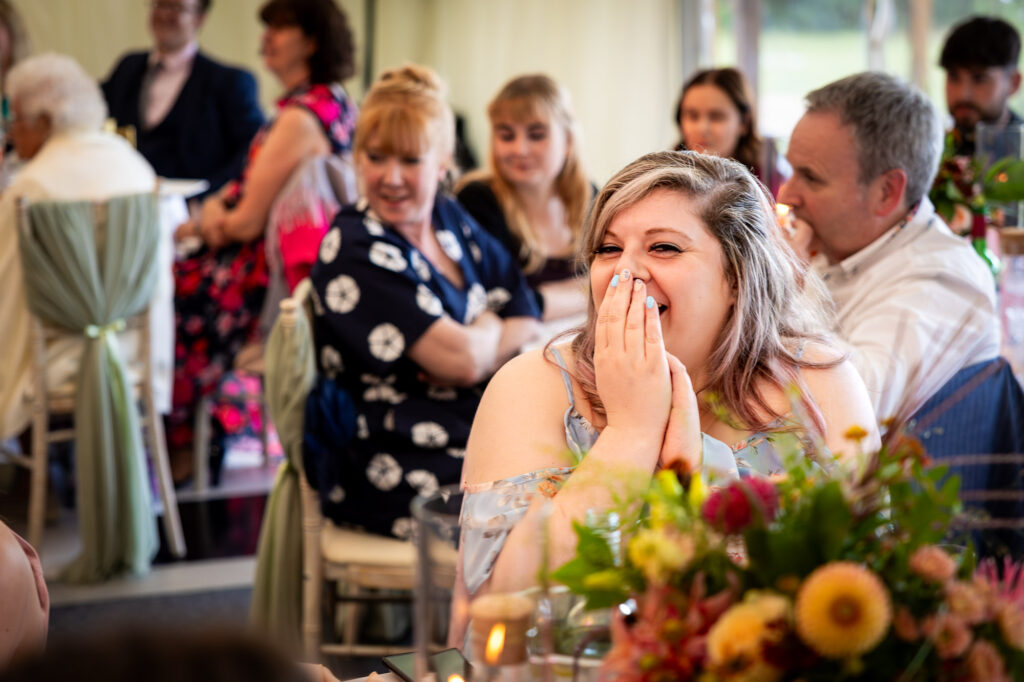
[
  {"x": 593, "y": 572},
  {"x": 1004, "y": 181},
  {"x": 877, "y": 515}
]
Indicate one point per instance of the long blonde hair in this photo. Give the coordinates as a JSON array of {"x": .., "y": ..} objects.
[
  {"x": 521, "y": 99},
  {"x": 779, "y": 304}
]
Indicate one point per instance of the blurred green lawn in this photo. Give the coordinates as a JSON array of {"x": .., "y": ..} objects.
[{"x": 794, "y": 63}]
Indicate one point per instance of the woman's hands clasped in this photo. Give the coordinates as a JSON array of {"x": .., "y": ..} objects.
[
  {"x": 630, "y": 364},
  {"x": 644, "y": 389}
]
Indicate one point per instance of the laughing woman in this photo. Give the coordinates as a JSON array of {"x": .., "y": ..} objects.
[
  {"x": 415, "y": 307},
  {"x": 693, "y": 293}
]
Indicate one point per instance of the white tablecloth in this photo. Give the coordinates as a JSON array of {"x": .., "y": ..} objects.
[{"x": 173, "y": 212}]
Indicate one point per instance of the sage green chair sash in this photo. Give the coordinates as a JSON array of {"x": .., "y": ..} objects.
[
  {"x": 289, "y": 374},
  {"x": 86, "y": 273}
]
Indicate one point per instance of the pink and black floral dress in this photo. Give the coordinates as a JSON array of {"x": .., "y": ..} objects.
[{"x": 219, "y": 292}]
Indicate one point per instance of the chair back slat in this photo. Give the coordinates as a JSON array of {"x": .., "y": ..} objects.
[{"x": 975, "y": 425}]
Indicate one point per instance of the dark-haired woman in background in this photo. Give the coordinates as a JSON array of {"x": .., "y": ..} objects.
[
  {"x": 717, "y": 115},
  {"x": 219, "y": 291}
]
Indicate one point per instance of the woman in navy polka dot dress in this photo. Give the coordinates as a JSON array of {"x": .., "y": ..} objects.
[{"x": 414, "y": 308}]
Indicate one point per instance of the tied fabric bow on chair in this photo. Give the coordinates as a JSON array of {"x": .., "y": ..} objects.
[
  {"x": 290, "y": 374},
  {"x": 86, "y": 272},
  {"x": 100, "y": 331}
]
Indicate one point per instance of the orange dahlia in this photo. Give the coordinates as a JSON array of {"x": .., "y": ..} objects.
[{"x": 842, "y": 610}]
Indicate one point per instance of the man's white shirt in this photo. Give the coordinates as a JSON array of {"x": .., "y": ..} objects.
[{"x": 914, "y": 307}]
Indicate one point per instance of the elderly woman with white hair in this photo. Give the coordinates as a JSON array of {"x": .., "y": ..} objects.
[{"x": 57, "y": 112}]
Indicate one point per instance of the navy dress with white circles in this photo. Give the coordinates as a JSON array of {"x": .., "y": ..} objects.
[{"x": 375, "y": 294}]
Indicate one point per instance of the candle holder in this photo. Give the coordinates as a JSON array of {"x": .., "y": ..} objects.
[{"x": 507, "y": 636}]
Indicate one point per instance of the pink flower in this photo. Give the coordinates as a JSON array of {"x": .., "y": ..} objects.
[
  {"x": 905, "y": 626},
  {"x": 949, "y": 633},
  {"x": 966, "y": 601},
  {"x": 735, "y": 507},
  {"x": 932, "y": 564},
  {"x": 1008, "y": 587},
  {"x": 984, "y": 664}
]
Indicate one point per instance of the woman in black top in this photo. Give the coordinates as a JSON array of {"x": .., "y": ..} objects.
[{"x": 535, "y": 196}]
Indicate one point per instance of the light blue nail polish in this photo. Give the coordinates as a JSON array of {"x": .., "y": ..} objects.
[
  {"x": 650, "y": 302},
  {"x": 615, "y": 281}
]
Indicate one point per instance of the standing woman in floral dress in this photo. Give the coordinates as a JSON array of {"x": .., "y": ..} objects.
[{"x": 219, "y": 290}]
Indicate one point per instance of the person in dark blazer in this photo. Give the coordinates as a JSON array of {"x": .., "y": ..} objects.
[{"x": 194, "y": 117}]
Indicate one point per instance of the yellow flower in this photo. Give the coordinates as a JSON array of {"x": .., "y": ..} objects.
[
  {"x": 659, "y": 554},
  {"x": 698, "y": 492},
  {"x": 736, "y": 640},
  {"x": 842, "y": 610},
  {"x": 856, "y": 433},
  {"x": 1011, "y": 624}
]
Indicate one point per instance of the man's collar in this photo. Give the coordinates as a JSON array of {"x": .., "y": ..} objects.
[
  {"x": 876, "y": 250},
  {"x": 173, "y": 61}
]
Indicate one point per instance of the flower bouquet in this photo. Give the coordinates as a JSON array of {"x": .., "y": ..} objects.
[
  {"x": 807, "y": 576},
  {"x": 961, "y": 190}
]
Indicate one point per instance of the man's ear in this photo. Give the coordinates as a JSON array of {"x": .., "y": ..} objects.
[
  {"x": 1014, "y": 82},
  {"x": 890, "y": 192}
]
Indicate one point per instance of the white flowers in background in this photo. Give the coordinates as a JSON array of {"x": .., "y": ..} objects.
[
  {"x": 457, "y": 453},
  {"x": 330, "y": 360},
  {"x": 386, "y": 342},
  {"x": 474, "y": 251},
  {"x": 450, "y": 243},
  {"x": 497, "y": 298},
  {"x": 342, "y": 294},
  {"x": 373, "y": 226},
  {"x": 425, "y": 482},
  {"x": 465, "y": 230},
  {"x": 419, "y": 264},
  {"x": 337, "y": 494},
  {"x": 362, "y": 428},
  {"x": 476, "y": 302},
  {"x": 402, "y": 528},
  {"x": 389, "y": 420},
  {"x": 429, "y": 435},
  {"x": 330, "y": 245},
  {"x": 427, "y": 301},
  {"x": 383, "y": 471},
  {"x": 442, "y": 392},
  {"x": 381, "y": 389},
  {"x": 387, "y": 256}
]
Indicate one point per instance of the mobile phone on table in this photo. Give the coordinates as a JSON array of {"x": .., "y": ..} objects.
[
  {"x": 403, "y": 665},
  {"x": 449, "y": 663},
  {"x": 445, "y": 663}
]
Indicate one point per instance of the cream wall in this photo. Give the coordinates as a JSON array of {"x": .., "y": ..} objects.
[{"x": 620, "y": 60}]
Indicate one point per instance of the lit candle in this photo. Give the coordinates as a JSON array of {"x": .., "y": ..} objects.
[
  {"x": 500, "y": 622},
  {"x": 785, "y": 219}
]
